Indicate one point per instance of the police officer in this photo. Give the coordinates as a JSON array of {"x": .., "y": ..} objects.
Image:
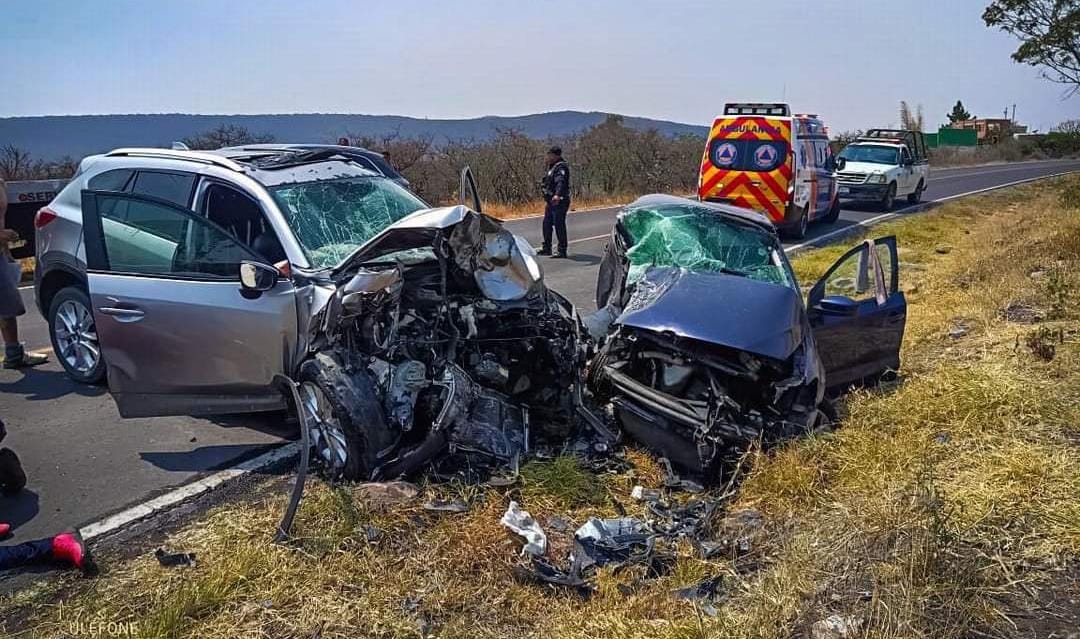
[{"x": 556, "y": 189}]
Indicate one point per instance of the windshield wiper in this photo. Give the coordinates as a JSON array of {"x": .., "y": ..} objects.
[{"x": 731, "y": 271}]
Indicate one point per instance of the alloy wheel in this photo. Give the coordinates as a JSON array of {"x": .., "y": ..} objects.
[
  {"x": 328, "y": 437},
  {"x": 76, "y": 337}
]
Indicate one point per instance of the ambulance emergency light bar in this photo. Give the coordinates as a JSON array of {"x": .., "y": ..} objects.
[{"x": 757, "y": 108}]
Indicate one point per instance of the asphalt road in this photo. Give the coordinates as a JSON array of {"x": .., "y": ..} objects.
[{"x": 84, "y": 462}]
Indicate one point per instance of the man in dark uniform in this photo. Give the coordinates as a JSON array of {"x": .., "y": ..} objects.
[{"x": 556, "y": 189}]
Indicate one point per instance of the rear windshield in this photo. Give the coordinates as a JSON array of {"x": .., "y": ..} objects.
[
  {"x": 333, "y": 218},
  {"x": 699, "y": 239},
  {"x": 747, "y": 155}
]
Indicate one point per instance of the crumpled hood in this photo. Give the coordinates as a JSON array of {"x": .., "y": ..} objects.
[
  {"x": 504, "y": 265},
  {"x": 738, "y": 312}
]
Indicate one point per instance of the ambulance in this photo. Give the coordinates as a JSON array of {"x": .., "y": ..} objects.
[{"x": 760, "y": 156}]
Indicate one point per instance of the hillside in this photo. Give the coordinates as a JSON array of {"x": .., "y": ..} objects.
[{"x": 51, "y": 137}]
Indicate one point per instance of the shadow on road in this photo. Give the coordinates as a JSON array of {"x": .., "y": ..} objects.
[
  {"x": 582, "y": 258},
  {"x": 38, "y": 384},
  {"x": 19, "y": 509},
  {"x": 204, "y": 458}
]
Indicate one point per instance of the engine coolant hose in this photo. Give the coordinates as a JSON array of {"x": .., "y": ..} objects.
[{"x": 293, "y": 389}]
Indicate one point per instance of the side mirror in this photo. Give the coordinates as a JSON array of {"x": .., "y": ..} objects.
[
  {"x": 256, "y": 277},
  {"x": 838, "y": 305},
  {"x": 840, "y": 163}
]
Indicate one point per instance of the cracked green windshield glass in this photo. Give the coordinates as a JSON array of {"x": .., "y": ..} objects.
[
  {"x": 333, "y": 218},
  {"x": 699, "y": 240}
]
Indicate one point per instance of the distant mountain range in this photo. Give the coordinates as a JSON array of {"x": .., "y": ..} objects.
[{"x": 52, "y": 137}]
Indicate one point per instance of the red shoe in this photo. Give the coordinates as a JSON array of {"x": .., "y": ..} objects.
[
  {"x": 71, "y": 548},
  {"x": 5, "y": 530}
]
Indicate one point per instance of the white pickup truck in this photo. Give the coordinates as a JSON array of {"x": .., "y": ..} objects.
[
  {"x": 24, "y": 200},
  {"x": 882, "y": 165}
]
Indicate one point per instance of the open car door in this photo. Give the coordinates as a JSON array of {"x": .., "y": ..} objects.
[
  {"x": 857, "y": 313},
  {"x": 469, "y": 191},
  {"x": 178, "y": 332}
]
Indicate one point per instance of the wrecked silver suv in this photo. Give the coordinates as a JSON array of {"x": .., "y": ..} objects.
[
  {"x": 413, "y": 331},
  {"x": 441, "y": 337},
  {"x": 707, "y": 343}
]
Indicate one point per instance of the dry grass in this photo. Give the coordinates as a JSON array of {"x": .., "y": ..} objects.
[{"x": 939, "y": 496}]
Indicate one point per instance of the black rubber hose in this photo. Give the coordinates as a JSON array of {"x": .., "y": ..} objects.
[{"x": 305, "y": 458}]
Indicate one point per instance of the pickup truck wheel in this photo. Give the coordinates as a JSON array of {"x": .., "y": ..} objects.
[
  {"x": 345, "y": 416},
  {"x": 74, "y": 336},
  {"x": 916, "y": 196},
  {"x": 890, "y": 197}
]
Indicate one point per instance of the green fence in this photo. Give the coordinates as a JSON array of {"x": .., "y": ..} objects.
[{"x": 952, "y": 137}]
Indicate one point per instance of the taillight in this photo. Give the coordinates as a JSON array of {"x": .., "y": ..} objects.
[{"x": 43, "y": 217}]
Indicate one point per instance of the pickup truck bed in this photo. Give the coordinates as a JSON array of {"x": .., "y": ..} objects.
[{"x": 24, "y": 200}]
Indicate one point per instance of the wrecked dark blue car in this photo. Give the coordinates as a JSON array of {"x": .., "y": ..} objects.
[{"x": 707, "y": 345}]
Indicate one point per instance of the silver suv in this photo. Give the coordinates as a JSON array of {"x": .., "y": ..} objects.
[{"x": 166, "y": 232}]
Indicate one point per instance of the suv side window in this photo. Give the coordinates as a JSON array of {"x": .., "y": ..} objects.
[
  {"x": 152, "y": 238},
  {"x": 113, "y": 180},
  {"x": 905, "y": 155},
  {"x": 169, "y": 186}
]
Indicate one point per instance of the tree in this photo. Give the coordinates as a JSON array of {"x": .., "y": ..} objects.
[
  {"x": 908, "y": 120},
  {"x": 1049, "y": 34},
  {"x": 958, "y": 113},
  {"x": 225, "y": 135},
  {"x": 15, "y": 163},
  {"x": 1068, "y": 127}
]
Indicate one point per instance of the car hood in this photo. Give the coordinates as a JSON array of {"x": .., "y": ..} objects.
[
  {"x": 866, "y": 167},
  {"x": 504, "y": 265},
  {"x": 737, "y": 312}
]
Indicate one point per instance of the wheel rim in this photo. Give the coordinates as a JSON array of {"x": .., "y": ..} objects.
[
  {"x": 890, "y": 195},
  {"x": 76, "y": 337},
  {"x": 328, "y": 437},
  {"x": 804, "y": 221}
]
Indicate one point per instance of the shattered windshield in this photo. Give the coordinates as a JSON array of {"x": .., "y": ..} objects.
[
  {"x": 332, "y": 218},
  {"x": 699, "y": 239}
]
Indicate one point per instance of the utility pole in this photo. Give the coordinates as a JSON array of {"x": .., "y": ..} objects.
[{"x": 1014, "y": 114}]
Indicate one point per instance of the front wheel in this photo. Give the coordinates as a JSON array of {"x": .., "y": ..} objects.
[
  {"x": 797, "y": 231},
  {"x": 834, "y": 212},
  {"x": 345, "y": 416},
  {"x": 889, "y": 200},
  {"x": 916, "y": 196},
  {"x": 74, "y": 336}
]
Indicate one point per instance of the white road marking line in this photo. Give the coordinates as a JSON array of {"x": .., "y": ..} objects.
[
  {"x": 26, "y": 288},
  {"x": 916, "y": 207},
  {"x": 590, "y": 239},
  {"x": 186, "y": 492},
  {"x": 979, "y": 173},
  {"x": 283, "y": 453}
]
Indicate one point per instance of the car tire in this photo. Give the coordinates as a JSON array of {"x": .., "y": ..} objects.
[
  {"x": 798, "y": 230},
  {"x": 12, "y": 477},
  {"x": 74, "y": 336},
  {"x": 834, "y": 212},
  {"x": 345, "y": 416},
  {"x": 916, "y": 196},
  {"x": 889, "y": 200}
]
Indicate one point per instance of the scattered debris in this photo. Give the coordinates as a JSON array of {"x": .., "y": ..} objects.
[
  {"x": 542, "y": 571},
  {"x": 383, "y": 495},
  {"x": 943, "y": 250},
  {"x": 703, "y": 594},
  {"x": 961, "y": 326},
  {"x": 523, "y": 524},
  {"x": 1021, "y": 313},
  {"x": 372, "y": 534},
  {"x": 172, "y": 560},
  {"x": 442, "y": 506},
  {"x": 836, "y": 627},
  {"x": 612, "y": 541},
  {"x": 640, "y": 493}
]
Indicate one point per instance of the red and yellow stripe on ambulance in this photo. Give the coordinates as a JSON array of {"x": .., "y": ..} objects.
[{"x": 748, "y": 162}]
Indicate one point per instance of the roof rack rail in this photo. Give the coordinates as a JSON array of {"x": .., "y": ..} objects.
[{"x": 172, "y": 154}]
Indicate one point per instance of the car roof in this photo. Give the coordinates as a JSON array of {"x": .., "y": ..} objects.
[
  {"x": 725, "y": 210},
  {"x": 251, "y": 151}
]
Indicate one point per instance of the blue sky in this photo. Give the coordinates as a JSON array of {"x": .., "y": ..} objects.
[{"x": 852, "y": 62}]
